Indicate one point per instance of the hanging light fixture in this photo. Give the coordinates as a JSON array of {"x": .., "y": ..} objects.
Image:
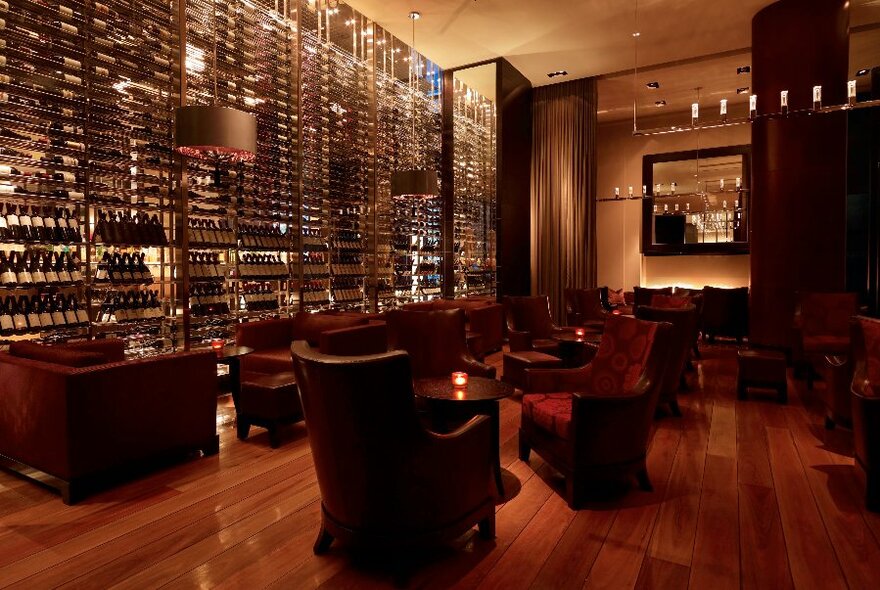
[
  {"x": 414, "y": 182},
  {"x": 213, "y": 132}
]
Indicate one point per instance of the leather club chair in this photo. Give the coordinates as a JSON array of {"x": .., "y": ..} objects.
[
  {"x": 584, "y": 308},
  {"x": 483, "y": 316},
  {"x": 684, "y": 324},
  {"x": 593, "y": 423},
  {"x": 643, "y": 295},
  {"x": 435, "y": 342},
  {"x": 866, "y": 404},
  {"x": 530, "y": 326},
  {"x": 725, "y": 313},
  {"x": 385, "y": 481},
  {"x": 822, "y": 327}
]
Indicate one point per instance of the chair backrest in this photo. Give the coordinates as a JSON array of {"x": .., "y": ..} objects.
[
  {"x": 530, "y": 314},
  {"x": 669, "y": 301},
  {"x": 622, "y": 356},
  {"x": 642, "y": 295},
  {"x": 682, "y": 334},
  {"x": 590, "y": 303},
  {"x": 361, "y": 417},
  {"x": 435, "y": 340},
  {"x": 309, "y": 326},
  {"x": 826, "y": 314},
  {"x": 865, "y": 345}
]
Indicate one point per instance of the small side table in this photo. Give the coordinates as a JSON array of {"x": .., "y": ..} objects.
[
  {"x": 761, "y": 368},
  {"x": 572, "y": 348},
  {"x": 479, "y": 397},
  {"x": 230, "y": 356}
]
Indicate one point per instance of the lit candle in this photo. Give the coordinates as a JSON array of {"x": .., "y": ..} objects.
[
  {"x": 630, "y": 191},
  {"x": 616, "y": 191},
  {"x": 721, "y": 184},
  {"x": 644, "y": 190},
  {"x": 676, "y": 207},
  {"x": 753, "y": 106},
  {"x": 579, "y": 332},
  {"x": 460, "y": 379},
  {"x": 817, "y": 97},
  {"x": 695, "y": 112},
  {"x": 724, "y": 109},
  {"x": 218, "y": 344},
  {"x": 851, "y": 92},
  {"x": 783, "y": 101},
  {"x": 738, "y": 183}
]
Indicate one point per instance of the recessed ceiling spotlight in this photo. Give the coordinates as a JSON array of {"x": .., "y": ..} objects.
[
  {"x": 415, "y": 15},
  {"x": 743, "y": 90},
  {"x": 862, "y": 72},
  {"x": 743, "y": 69},
  {"x": 654, "y": 85},
  {"x": 660, "y": 103},
  {"x": 557, "y": 73}
]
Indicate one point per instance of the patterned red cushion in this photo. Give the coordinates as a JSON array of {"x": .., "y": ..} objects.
[
  {"x": 669, "y": 301},
  {"x": 616, "y": 297},
  {"x": 550, "y": 411},
  {"x": 622, "y": 355},
  {"x": 871, "y": 330}
]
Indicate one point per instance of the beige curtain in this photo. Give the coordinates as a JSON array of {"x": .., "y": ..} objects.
[{"x": 563, "y": 190}]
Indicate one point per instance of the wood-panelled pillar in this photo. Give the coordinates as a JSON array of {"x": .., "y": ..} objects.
[{"x": 798, "y": 211}]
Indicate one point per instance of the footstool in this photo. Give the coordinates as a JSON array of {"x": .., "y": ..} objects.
[
  {"x": 268, "y": 401},
  {"x": 516, "y": 363},
  {"x": 761, "y": 368}
]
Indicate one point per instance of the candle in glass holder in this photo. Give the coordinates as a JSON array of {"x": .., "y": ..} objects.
[
  {"x": 579, "y": 332},
  {"x": 460, "y": 379},
  {"x": 218, "y": 344}
]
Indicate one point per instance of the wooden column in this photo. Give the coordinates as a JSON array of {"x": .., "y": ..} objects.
[{"x": 798, "y": 224}]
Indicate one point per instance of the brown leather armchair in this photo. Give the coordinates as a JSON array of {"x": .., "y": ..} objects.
[
  {"x": 684, "y": 325},
  {"x": 584, "y": 307},
  {"x": 725, "y": 313},
  {"x": 821, "y": 327},
  {"x": 643, "y": 295},
  {"x": 435, "y": 341},
  {"x": 530, "y": 326},
  {"x": 597, "y": 430},
  {"x": 385, "y": 480},
  {"x": 866, "y": 404}
]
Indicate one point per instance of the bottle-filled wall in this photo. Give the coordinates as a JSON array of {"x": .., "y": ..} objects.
[{"x": 105, "y": 230}]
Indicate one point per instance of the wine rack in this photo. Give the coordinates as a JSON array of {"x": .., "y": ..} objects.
[
  {"x": 474, "y": 193},
  {"x": 408, "y": 256},
  {"x": 86, "y": 90},
  {"x": 243, "y": 56}
]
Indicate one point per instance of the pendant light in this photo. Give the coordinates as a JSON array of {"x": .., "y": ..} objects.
[
  {"x": 212, "y": 132},
  {"x": 414, "y": 182}
]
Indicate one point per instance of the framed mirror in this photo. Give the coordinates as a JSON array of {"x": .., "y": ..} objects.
[{"x": 696, "y": 202}]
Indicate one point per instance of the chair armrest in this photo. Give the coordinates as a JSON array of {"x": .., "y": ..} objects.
[
  {"x": 356, "y": 341},
  {"x": 519, "y": 340},
  {"x": 609, "y": 429},
  {"x": 266, "y": 334},
  {"x": 478, "y": 369},
  {"x": 555, "y": 380}
]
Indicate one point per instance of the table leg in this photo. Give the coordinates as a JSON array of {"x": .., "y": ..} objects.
[
  {"x": 495, "y": 419},
  {"x": 235, "y": 381}
]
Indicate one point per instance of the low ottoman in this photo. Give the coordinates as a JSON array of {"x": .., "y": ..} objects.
[
  {"x": 268, "y": 401},
  {"x": 764, "y": 369},
  {"x": 516, "y": 363}
]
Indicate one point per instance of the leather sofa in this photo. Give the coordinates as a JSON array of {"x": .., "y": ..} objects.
[
  {"x": 484, "y": 317},
  {"x": 334, "y": 334},
  {"x": 86, "y": 417}
]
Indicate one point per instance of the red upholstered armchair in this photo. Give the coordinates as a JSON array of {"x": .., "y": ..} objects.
[
  {"x": 866, "y": 404},
  {"x": 592, "y": 424},
  {"x": 529, "y": 325},
  {"x": 435, "y": 341},
  {"x": 584, "y": 307},
  {"x": 385, "y": 481},
  {"x": 822, "y": 326}
]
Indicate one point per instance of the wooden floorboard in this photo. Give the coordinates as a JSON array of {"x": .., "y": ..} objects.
[{"x": 747, "y": 494}]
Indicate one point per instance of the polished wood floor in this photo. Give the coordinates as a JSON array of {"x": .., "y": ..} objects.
[{"x": 747, "y": 494}]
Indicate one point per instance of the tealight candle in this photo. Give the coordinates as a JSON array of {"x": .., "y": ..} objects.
[
  {"x": 218, "y": 344},
  {"x": 579, "y": 332},
  {"x": 460, "y": 379}
]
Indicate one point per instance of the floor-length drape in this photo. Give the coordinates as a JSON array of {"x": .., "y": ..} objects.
[{"x": 563, "y": 190}]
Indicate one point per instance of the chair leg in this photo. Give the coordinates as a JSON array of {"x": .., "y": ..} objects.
[
  {"x": 323, "y": 542},
  {"x": 212, "y": 447},
  {"x": 572, "y": 492},
  {"x": 673, "y": 407},
  {"x": 487, "y": 527},
  {"x": 524, "y": 448},
  {"x": 644, "y": 480},
  {"x": 872, "y": 491},
  {"x": 243, "y": 427}
]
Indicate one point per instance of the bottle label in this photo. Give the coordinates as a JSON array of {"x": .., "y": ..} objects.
[{"x": 6, "y": 322}]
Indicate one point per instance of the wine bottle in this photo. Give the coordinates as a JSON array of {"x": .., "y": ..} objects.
[
  {"x": 19, "y": 319},
  {"x": 7, "y": 325},
  {"x": 41, "y": 303}
]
